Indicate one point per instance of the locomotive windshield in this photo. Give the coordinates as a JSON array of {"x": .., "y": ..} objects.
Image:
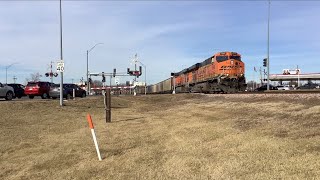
[
  {"x": 222, "y": 58},
  {"x": 235, "y": 58}
]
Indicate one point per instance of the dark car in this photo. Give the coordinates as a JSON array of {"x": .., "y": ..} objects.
[
  {"x": 79, "y": 92},
  {"x": 264, "y": 88},
  {"x": 55, "y": 91},
  {"x": 39, "y": 88},
  {"x": 309, "y": 86},
  {"x": 18, "y": 90},
  {"x": 67, "y": 91}
]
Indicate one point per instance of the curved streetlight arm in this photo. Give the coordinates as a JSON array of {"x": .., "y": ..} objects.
[
  {"x": 7, "y": 67},
  {"x": 88, "y": 84},
  {"x": 145, "y": 77},
  {"x": 142, "y": 64},
  {"x": 94, "y": 47}
]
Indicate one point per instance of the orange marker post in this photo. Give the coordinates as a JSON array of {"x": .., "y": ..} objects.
[{"x": 94, "y": 136}]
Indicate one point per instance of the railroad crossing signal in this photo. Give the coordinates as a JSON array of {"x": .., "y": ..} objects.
[
  {"x": 135, "y": 73},
  {"x": 117, "y": 81},
  {"x": 265, "y": 62}
]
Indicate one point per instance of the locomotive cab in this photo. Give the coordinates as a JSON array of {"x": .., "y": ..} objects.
[{"x": 229, "y": 64}]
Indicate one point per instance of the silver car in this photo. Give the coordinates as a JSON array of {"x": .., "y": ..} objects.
[
  {"x": 285, "y": 87},
  {"x": 6, "y": 92}
]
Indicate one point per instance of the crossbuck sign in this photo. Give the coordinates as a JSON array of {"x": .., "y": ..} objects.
[
  {"x": 117, "y": 81},
  {"x": 60, "y": 66}
]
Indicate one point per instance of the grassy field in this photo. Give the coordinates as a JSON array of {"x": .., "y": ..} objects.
[{"x": 184, "y": 136}]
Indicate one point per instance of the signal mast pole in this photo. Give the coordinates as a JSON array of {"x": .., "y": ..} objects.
[
  {"x": 51, "y": 72},
  {"x": 135, "y": 76}
]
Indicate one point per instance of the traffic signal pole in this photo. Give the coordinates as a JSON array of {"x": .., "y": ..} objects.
[{"x": 268, "y": 59}]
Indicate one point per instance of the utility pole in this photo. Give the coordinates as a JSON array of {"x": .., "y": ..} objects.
[
  {"x": 253, "y": 81},
  {"x": 268, "y": 62},
  {"x": 298, "y": 75}
]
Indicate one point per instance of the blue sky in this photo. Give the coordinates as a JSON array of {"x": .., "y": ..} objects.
[{"x": 167, "y": 36}]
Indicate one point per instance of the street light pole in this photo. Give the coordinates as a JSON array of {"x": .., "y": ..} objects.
[
  {"x": 268, "y": 62},
  {"x": 88, "y": 84},
  {"x": 7, "y": 67},
  {"x": 61, "y": 58}
]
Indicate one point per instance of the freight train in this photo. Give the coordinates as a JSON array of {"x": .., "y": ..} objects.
[{"x": 224, "y": 72}]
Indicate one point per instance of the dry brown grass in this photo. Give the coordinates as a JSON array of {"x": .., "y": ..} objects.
[{"x": 184, "y": 136}]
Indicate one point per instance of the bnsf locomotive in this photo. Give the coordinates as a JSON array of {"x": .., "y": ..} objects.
[{"x": 221, "y": 73}]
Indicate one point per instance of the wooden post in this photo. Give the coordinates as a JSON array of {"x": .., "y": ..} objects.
[{"x": 107, "y": 101}]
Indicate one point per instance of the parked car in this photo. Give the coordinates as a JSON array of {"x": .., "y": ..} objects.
[
  {"x": 18, "y": 90},
  {"x": 79, "y": 92},
  {"x": 55, "y": 91},
  {"x": 67, "y": 91},
  {"x": 284, "y": 87},
  {"x": 309, "y": 86},
  {"x": 39, "y": 88},
  {"x": 6, "y": 92},
  {"x": 264, "y": 88}
]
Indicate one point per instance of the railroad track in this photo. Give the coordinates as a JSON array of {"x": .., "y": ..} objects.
[{"x": 313, "y": 91}]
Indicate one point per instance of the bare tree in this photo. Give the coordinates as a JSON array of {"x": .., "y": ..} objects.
[
  {"x": 34, "y": 77},
  {"x": 97, "y": 83}
]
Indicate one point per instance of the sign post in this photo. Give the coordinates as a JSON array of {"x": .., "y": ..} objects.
[{"x": 107, "y": 103}]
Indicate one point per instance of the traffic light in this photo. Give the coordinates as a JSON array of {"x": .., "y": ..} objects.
[
  {"x": 90, "y": 80},
  {"x": 140, "y": 71},
  {"x": 114, "y": 72},
  {"x": 128, "y": 71},
  {"x": 265, "y": 62},
  {"x": 103, "y": 77},
  {"x": 47, "y": 74}
]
